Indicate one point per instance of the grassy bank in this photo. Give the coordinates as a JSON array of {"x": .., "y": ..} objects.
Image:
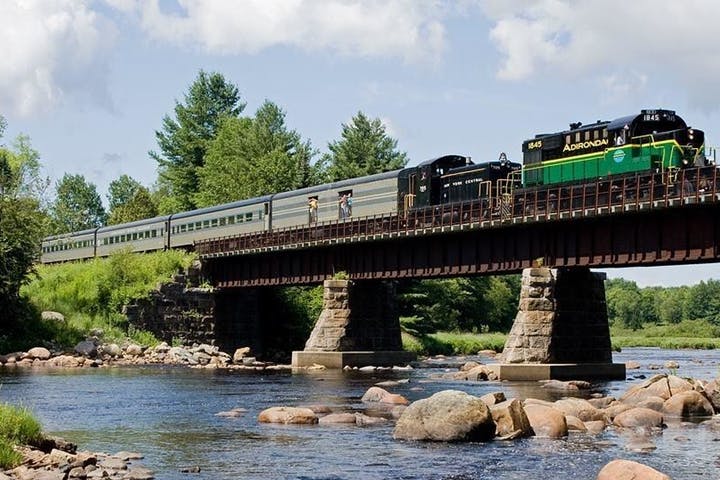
[
  {"x": 17, "y": 427},
  {"x": 698, "y": 334},
  {"x": 451, "y": 343},
  {"x": 695, "y": 334},
  {"x": 91, "y": 294}
]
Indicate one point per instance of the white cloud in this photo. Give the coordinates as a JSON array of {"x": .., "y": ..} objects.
[
  {"x": 665, "y": 42},
  {"x": 623, "y": 84},
  {"x": 390, "y": 128},
  {"x": 406, "y": 29},
  {"x": 51, "y": 49}
]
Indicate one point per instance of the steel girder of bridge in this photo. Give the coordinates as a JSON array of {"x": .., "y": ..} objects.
[{"x": 688, "y": 233}]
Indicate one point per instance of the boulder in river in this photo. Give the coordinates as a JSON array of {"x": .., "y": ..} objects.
[
  {"x": 288, "y": 415},
  {"x": 447, "y": 416},
  {"x": 580, "y": 408},
  {"x": 510, "y": 419},
  {"x": 380, "y": 395},
  {"x": 688, "y": 404},
  {"x": 493, "y": 398},
  {"x": 712, "y": 392},
  {"x": 629, "y": 470},
  {"x": 546, "y": 421},
  {"x": 639, "y": 417}
]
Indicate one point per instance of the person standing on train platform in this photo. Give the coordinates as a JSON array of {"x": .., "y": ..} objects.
[
  {"x": 312, "y": 209},
  {"x": 342, "y": 202}
]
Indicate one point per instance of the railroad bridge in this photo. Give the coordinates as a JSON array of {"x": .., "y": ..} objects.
[{"x": 633, "y": 221}]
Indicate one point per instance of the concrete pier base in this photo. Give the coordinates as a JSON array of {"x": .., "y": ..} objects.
[
  {"x": 559, "y": 371},
  {"x": 561, "y": 329},
  {"x": 358, "y": 327},
  {"x": 352, "y": 359}
]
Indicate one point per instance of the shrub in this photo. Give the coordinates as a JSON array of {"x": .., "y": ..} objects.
[
  {"x": 17, "y": 425},
  {"x": 9, "y": 458}
]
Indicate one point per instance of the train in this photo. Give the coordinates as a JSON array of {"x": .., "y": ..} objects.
[{"x": 653, "y": 141}]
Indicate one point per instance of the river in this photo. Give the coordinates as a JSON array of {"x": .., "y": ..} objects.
[{"x": 169, "y": 415}]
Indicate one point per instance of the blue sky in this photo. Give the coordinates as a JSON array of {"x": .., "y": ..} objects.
[{"x": 89, "y": 81}]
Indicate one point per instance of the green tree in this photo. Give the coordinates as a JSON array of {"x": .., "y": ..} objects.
[
  {"x": 22, "y": 227},
  {"x": 670, "y": 304},
  {"x": 77, "y": 205},
  {"x": 255, "y": 156},
  {"x": 184, "y": 140},
  {"x": 140, "y": 206},
  {"x": 471, "y": 304},
  {"x": 703, "y": 302},
  {"x": 500, "y": 303},
  {"x": 121, "y": 191},
  {"x": 365, "y": 149},
  {"x": 624, "y": 303}
]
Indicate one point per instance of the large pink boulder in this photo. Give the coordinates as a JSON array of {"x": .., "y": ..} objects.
[
  {"x": 629, "y": 470},
  {"x": 380, "y": 395},
  {"x": 580, "y": 408},
  {"x": 546, "y": 421},
  {"x": 712, "y": 392},
  {"x": 656, "y": 386},
  {"x": 639, "y": 417},
  {"x": 688, "y": 404},
  {"x": 510, "y": 419},
  {"x": 663, "y": 386},
  {"x": 288, "y": 415}
]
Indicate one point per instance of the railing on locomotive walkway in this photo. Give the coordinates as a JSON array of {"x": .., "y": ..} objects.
[{"x": 605, "y": 197}]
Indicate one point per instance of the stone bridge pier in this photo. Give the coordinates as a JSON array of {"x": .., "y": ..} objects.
[
  {"x": 359, "y": 326},
  {"x": 561, "y": 329}
]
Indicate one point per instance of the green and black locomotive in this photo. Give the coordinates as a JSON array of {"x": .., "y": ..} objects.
[{"x": 653, "y": 141}]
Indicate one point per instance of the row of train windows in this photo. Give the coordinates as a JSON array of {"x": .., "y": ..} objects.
[
  {"x": 586, "y": 136},
  {"x": 217, "y": 222},
  {"x": 129, "y": 237},
  {"x": 60, "y": 247}
]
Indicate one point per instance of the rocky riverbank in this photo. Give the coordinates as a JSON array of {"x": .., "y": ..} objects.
[
  {"x": 93, "y": 354},
  {"x": 56, "y": 459}
]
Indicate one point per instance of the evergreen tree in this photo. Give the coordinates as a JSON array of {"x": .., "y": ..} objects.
[
  {"x": 184, "y": 140},
  {"x": 365, "y": 149}
]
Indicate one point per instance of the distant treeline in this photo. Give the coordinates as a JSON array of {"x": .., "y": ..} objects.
[{"x": 632, "y": 307}]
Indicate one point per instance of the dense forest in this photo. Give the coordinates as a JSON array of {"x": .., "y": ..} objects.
[{"x": 209, "y": 151}]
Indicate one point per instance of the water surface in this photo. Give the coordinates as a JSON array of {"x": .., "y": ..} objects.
[{"x": 169, "y": 415}]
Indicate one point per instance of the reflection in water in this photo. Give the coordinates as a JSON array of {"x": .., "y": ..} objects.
[{"x": 169, "y": 414}]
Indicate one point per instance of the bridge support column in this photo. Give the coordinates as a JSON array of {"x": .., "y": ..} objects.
[
  {"x": 358, "y": 326},
  {"x": 561, "y": 329}
]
